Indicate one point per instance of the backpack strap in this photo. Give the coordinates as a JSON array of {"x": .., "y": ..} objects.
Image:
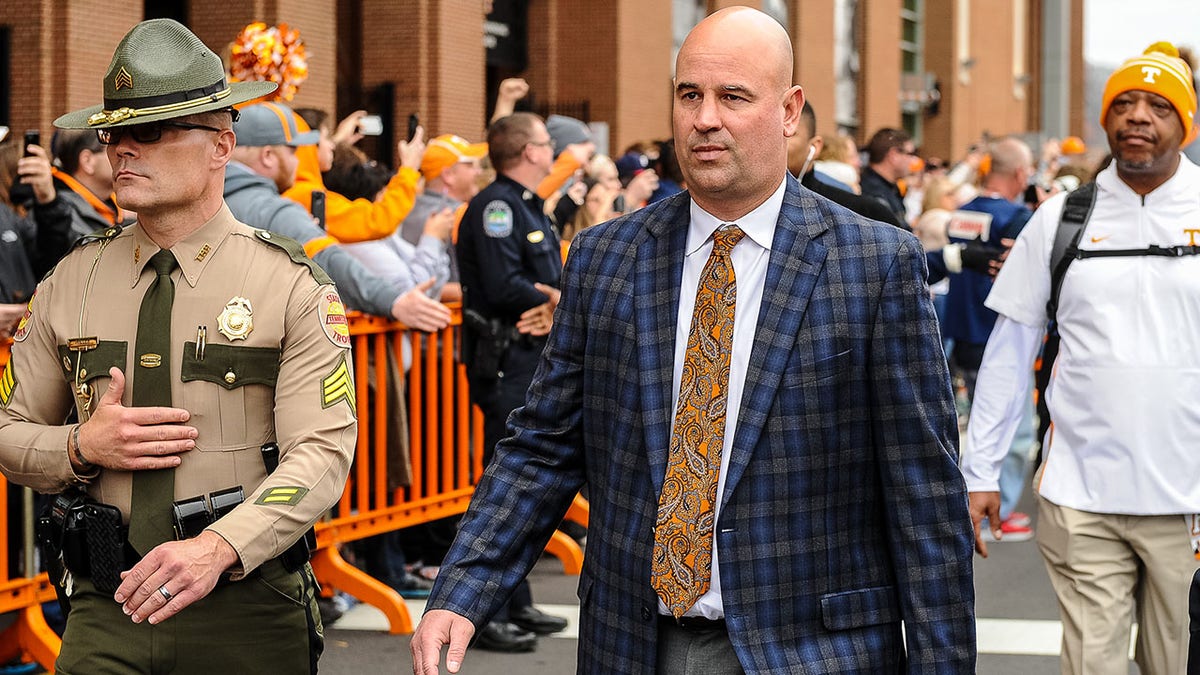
[{"x": 1075, "y": 215}]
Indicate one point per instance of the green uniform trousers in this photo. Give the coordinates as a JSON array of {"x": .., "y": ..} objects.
[{"x": 267, "y": 623}]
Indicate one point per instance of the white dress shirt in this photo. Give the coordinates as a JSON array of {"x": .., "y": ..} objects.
[{"x": 750, "y": 258}]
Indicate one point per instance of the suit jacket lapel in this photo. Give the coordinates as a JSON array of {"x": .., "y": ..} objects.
[
  {"x": 656, "y": 291},
  {"x": 795, "y": 265}
]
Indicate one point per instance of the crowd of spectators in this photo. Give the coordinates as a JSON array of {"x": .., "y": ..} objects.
[{"x": 387, "y": 236}]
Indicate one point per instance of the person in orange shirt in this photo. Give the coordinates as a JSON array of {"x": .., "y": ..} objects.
[{"x": 353, "y": 220}]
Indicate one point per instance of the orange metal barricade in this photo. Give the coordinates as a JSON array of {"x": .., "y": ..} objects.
[
  {"x": 445, "y": 441},
  {"x": 28, "y": 637}
]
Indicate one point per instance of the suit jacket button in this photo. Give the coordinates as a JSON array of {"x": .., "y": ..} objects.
[{"x": 646, "y": 613}]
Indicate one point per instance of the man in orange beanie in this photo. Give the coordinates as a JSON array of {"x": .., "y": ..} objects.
[{"x": 1118, "y": 496}]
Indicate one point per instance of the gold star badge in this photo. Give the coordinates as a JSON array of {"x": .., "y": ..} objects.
[{"x": 123, "y": 79}]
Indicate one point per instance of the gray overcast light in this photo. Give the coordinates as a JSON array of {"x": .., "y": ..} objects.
[{"x": 1115, "y": 30}]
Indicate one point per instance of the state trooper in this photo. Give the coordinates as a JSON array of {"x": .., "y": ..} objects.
[
  {"x": 188, "y": 344},
  {"x": 510, "y": 263}
]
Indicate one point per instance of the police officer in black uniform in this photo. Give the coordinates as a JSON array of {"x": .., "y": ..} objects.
[{"x": 510, "y": 263}]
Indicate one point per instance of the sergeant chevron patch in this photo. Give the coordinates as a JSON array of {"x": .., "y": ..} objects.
[
  {"x": 287, "y": 495},
  {"x": 338, "y": 386},
  {"x": 8, "y": 383}
]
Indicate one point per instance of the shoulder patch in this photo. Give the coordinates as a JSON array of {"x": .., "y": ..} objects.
[
  {"x": 8, "y": 384},
  {"x": 23, "y": 325},
  {"x": 295, "y": 251},
  {"x": 497, "y": 219},
  {"x": 332, "y": 313},
  {"x": 338, "y": 386}
]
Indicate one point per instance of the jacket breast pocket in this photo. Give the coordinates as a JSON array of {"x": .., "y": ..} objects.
[
  {"x": 863, "y": 607},
  {"x": 815, "y": 372},
  {"x": 230, "y": 393}
]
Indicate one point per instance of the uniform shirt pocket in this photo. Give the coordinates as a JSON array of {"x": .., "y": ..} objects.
[
  {"x": 95, "y": 362},
  {"x": 229, "y": 392}
]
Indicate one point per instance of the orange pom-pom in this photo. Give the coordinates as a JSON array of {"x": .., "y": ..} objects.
[{"x": 271, "y": 54}]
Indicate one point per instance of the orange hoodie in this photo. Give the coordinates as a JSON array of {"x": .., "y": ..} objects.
[
  {"x": 564, "y": 166},
  {"x": 346, "y": 220}
]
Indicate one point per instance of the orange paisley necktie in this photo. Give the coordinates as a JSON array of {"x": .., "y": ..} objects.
[{"x": 682, "y": 561}]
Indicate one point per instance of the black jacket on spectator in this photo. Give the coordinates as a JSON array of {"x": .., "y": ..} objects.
[
  {"x": 885, "y": 192},
  {"x": 863, "y": 206},
  {"x": 30, "y": 246}
]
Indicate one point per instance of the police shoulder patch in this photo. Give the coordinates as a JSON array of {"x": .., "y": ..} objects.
[
  {"x": 8, "y": 384},
  {"x": 295, "y": 251},
  {"x": 284, "y": 495},
  {"x": 332, "y": 313},
  {"x": 23, "y": 325},
  {"x": 497, "y": 219},
  {"x": 338, "y": 386}
]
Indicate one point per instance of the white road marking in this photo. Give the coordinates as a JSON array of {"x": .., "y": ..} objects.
[{"x": 1021, "y": 637}]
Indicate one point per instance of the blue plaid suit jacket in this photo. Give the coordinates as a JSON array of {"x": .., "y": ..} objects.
[{"x": 844, "y": 511}]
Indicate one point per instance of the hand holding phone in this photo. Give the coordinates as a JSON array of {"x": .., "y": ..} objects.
[
  {"x": 20, "y": 192},
  {"x": 413, "y": 123},
  {"x": 370, "y": 125},
  {"x": 318, "y": 207},
  {"x": 32, "y": 137}
]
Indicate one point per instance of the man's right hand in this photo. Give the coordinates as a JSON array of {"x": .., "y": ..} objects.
[
  {"x": 416, "y": 310},
  {"x": 439, "y": 224},
  {"x": 512, "y": 89},
  {"x": 137, "y": 438},
  {"x": 984, "y": 505},
  {"x": 347, "y": 129},
  {"x": 412, "y": 151},
  {"x": 440, "y": 627}
]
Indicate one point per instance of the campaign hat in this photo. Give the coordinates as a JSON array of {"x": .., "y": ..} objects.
[{"x": 159, "y": 71}]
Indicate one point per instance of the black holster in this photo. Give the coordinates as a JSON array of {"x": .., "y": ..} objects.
[
  {"x": 79, "y": 535},
  {"x": 492, "y": 338}
]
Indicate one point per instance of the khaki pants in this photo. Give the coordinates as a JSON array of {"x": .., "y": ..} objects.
[
  {"x": 264, "y": 624},
  {"x": 1106, "y": 567}
]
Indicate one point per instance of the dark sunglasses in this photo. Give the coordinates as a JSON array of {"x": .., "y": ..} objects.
[{"x": 151, "y": 132}]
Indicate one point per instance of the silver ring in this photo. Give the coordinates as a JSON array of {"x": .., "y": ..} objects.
[{"x": 167, "y": 595}]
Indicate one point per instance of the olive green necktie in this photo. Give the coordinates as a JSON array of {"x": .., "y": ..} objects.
[
  {"x": 681, "y": 565},
  {"x": 153, "y": 491}
]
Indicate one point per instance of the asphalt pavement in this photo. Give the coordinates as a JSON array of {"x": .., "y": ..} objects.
[{"x": 1017, "y": 624}]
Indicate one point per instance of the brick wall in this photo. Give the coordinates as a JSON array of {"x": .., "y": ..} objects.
[
  {"x": 879, "y": 88},
  {"x": 812, "y": 45},
  {"x": 940, "y": 58},
  {"x": 642, "y": 109},
  {"x": 616, "y": 55},
  {"x": 60, "y": 53},
  {"x": 218, "y": 23},
  {"x": 457, "y": 77},
  {"x": 987, "y": 101},
  {"x": 1076, "y": 121}
]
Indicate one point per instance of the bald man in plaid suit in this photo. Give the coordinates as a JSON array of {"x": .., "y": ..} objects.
[{"x": 837, "y": 511}]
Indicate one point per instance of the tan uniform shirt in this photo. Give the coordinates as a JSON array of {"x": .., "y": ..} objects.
[{"x": 290, "y": 378}]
